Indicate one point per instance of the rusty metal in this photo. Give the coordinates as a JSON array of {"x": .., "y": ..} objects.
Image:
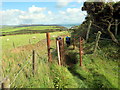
[
  {"x": 80, "y": 51},
  {"x": 48, "y": 47}
]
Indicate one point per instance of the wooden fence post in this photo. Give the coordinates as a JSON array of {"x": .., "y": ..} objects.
[
  {"x": 58, "y": 51},
  {"x": 13, "y": 44},
  {"x": 29, "y": 41},
  {"x": 73, "y": 42},
  {"x": 48, "y": 47},
  {"x": 80, "y": 51},
  {"x": 63, "y": 43},
  {"x": 97, "y": 40},
  {"x": 56, "y": 44},
  {"x": 116, "y": 27},
  {"x": 60, "y": 47},
  {"x": 33, "y": 62},
  {"x": 6, "y": 84},
  {"x": 88, "y": 31},
  {"x": 63, "y": 52}
]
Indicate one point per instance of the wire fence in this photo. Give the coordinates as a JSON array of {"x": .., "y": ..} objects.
[
  {"x": 20, "y": 70},
  {"x": 19, "y": 73},
  {"x": 40, "y": 43}
]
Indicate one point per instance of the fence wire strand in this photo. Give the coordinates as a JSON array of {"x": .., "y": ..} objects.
[{"x": 19, "y": 72}]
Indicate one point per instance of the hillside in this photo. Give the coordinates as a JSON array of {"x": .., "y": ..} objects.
[
  {"x": 12, "y": 30},
  {"x": 98, "y": 71},
  {"x": 37, "y": 56}
]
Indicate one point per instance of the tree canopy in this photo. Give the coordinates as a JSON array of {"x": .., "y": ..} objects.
[{"x": 105, "y": 17}]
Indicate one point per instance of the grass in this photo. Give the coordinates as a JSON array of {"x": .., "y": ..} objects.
[
  {"x": 21, "y": 40},
  {"x": 13, "y": 61},
  {"x": 99, "y": 70}
]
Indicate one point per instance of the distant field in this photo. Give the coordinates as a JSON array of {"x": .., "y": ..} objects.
[
  {"x": 30, "y": 29},
  {"x": 20, "y": 40}
]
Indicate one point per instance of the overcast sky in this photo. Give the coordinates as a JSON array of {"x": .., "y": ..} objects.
[{"x": 16, "y": 12}]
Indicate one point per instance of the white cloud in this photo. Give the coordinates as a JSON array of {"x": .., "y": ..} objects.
[
  {"x": 37, "y": 15},
  {"x": 73, "y": 10},
  {"x": 49, "y": 12},
  {"x": 35, "y": 9},
  {"x": 63, "y": 3}
]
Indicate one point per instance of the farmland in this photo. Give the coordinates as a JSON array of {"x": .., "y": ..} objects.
[
  {"x": 96, "y": 72},
  {"x": 21, "y": 40},
  {"x": 11, "y": 30},
  {"x": 15, "y": 57}
]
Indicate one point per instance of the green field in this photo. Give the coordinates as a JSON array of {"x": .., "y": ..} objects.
[
  {"x": 11, "y": 29},
  {"x": 21, "y": 40},
  {"x": 30, "y": 29}
]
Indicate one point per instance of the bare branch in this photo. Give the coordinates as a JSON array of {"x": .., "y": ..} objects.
[
  {"x": 118, "y": 23},
  {"x": 99, "y": 28},
  {"x": 105, "y": 21}
]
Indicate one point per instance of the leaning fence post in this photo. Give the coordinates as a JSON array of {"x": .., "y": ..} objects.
[
  {"x": 88, "y": 31},
  {"x": 33, "y": 62},
  {"x": 80, "y": 51},
  {"x": 48, "y": 47},
  {"x": 97, "y": 40},
  {"x": 6, "y": 84}
]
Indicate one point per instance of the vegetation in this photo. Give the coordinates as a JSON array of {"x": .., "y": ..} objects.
[
  {"x": 99, "y": 70},
  {"x": 103, "y": 17},
  {"x": 12, "y": 30}
]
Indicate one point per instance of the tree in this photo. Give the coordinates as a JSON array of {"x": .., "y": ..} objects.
[{"x": 103, "y": 15}]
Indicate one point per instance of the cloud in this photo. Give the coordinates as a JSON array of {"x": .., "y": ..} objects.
[
  {"x": 49, "y": 12},
  {"x": 72, "y": 15},
  {"x": 63, "y": 3},
  {"x": 35, "y": 9},
  {"x": 38, "y": 15}
]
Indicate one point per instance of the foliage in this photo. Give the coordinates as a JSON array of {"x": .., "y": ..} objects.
[
  {"x": 103, "y": 16},
  {"x": 62, "y": 78}
]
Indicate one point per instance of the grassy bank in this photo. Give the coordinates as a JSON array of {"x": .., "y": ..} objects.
[{"x": 99, "y": 70}]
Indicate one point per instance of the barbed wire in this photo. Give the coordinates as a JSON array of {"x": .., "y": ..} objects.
[
  {"x": 42, "y": 43},
  {"x": 38, "y": 55},
  {"x": 19, "y": 72},
  {"x": 16, "y": 74},
  {"x": 26, "y": 63}
]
